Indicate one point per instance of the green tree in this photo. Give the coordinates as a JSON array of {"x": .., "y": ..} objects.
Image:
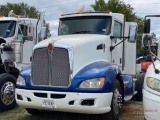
[
  {"x": 117, "y": 6},
  {"x": 23, "y": 10}
]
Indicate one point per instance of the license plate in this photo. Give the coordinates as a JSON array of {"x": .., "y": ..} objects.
[{"x": 48, "y": 103}]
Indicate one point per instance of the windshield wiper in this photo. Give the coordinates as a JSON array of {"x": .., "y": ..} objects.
[{"x": 84, "y": 32}]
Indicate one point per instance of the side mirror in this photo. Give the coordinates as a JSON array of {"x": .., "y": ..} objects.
[
  {"x": 132, "y": 32},
  {"x": 147, "y": 26},
  {"x": 149, "y": 39},
  {"x": 43, "y": 33}
]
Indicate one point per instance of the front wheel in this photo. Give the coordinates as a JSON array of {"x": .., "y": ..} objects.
[
  {"x": 7, "y": 91},
  {"x": 116, "y": 104}
]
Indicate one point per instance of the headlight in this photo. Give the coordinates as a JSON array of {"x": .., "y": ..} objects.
[
  {"x": 21, "y": 81},
  {"x": 153, "y": 84},
  {"x": 93, "y": 83}
]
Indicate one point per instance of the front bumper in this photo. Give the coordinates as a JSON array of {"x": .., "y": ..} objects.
[
  {"x": 151, "y": 104},
  {"x": 66, "y": 102}
]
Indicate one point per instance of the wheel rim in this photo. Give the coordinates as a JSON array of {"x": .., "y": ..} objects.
[
  {"x": 8, "y": 93},
  {"x": 117, "y": 101}
]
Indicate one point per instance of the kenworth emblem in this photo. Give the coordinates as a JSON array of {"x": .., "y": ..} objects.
[{"x": 50, "y": 48}]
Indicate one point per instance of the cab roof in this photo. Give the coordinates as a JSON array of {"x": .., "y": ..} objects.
[{"x": 118, "y": 16}]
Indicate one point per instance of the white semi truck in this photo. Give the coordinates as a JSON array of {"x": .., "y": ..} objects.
[
  {"x": 17, "y": 38},
  {"x": 88, "y": 68}
]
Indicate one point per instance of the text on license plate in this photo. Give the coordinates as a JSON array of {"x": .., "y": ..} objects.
[{"x": 48, "y": 103}]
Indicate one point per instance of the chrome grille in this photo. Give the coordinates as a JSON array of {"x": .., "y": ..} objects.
[
  {"x": 59, "y": 71},
  {"x": 40, "y": 71},
  {"x": 60, "y": 67}
]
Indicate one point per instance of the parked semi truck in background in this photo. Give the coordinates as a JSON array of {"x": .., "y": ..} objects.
[
  {"x": 17, "y": 38},
  {"x": 151, "y": 86},
  {"x": 88, "y": 68}
]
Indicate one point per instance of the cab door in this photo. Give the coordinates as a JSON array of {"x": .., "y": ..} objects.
[
  {"x": 116, "y": 53},
  {"x": 28, "y": 42}
]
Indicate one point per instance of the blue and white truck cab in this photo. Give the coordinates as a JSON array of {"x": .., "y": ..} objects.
[
  {"x": 151, "y": 86},
  {"x": 87, "y": 68}
]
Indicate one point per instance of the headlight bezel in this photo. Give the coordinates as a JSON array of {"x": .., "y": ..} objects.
[
  {"x": 153, "y": 83},
  {"x": 94, "y": 83},
  {"x": 21, "y": 81}
]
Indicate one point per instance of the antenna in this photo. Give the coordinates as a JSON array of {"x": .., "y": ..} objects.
[{"x": 81, "y": 9}]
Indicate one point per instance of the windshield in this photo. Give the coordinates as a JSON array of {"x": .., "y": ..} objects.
[
  {"x": 7, "y": 28},
  {"x": 85, "y": 25}
]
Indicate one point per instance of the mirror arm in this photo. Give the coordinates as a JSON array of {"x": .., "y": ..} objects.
[
  {"x": 155, "y": 69},
  {"x": 112, "y": 37},
  {"x": 154, "y": 55}
]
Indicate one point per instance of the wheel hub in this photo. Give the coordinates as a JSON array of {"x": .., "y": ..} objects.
[
  {"x": 117, "y": 101},
  {"x": 8, "y": 93}
]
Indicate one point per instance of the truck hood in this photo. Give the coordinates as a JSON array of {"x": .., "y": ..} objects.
[
  {"x": 83, "y": 48},
  {"x": 72, "y": 40}
]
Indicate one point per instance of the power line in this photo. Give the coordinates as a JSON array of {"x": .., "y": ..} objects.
[
  {"x": 148, "y": 13},
  {"x": 62, "y": 4},
  {"x": 144, "y": 4},
  {"x": 75, "y": 11},
  {"x": 60, "y": 13},
  {"x": 88, "y": 0}
]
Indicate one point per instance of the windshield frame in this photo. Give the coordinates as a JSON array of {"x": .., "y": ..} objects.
[
  {"x": 89, "y": 17},
  {"x": 14, "y": 29}
]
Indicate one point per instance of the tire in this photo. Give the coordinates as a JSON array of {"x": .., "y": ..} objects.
[
  {"x": 116, "y": 104},
  {"x": 139, "y": 87},
  {"x": 7, "y": 91},
  {"x": 33, "y": 111}
]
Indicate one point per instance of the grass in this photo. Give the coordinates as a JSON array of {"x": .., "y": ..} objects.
[{"x": 131, "y": 111}]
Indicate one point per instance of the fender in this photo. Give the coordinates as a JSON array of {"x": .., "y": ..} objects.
[
  {"x": 97, "y": 70},
  {"x": 129, "y": 88}
]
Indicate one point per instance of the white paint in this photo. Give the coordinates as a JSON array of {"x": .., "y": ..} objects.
[
  {"x": 84, "y": 48},
  {"x": 27, "y": 46},
  {"x": 151, "y": 98},
  {"x": 102, "y": 101},
  {"x": 130, "y": 54}
]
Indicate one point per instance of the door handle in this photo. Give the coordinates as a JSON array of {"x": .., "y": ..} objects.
[{"x": 101, "y": 46}]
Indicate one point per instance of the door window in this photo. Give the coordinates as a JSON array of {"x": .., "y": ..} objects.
[
  {"x": 117, "y": 31},
  {"x": 22, "y": 31}
]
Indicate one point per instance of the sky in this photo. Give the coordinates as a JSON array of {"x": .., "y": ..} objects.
[{"x": 54, "y": 8}]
